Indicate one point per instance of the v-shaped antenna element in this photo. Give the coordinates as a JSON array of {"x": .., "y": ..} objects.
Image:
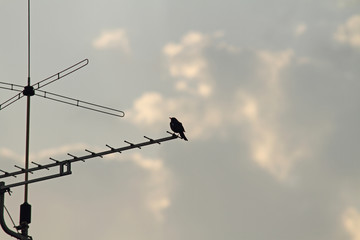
[{"x": 35, "y": 90}]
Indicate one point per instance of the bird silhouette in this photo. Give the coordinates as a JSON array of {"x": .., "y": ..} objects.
[{"x": 177, "y": 127}]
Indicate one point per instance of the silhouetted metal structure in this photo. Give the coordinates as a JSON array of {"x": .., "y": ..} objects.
[
  {"x": 34, "y": 90},
  {"x": 65, "y": 165}
]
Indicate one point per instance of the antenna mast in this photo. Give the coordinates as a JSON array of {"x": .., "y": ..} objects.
[
  {"x": 28, "y": 42},
  {"x": 25, "y": 208},
  {"x": 28, "y": 93}
]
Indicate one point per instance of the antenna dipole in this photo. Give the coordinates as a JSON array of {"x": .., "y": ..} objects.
[{"x": 40, "y": 84}]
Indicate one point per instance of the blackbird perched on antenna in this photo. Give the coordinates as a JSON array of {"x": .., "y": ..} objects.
[{"x": 177, "y": 127}]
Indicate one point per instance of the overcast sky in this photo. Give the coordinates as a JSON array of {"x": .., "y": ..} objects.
[{"x": 268, "y": 93}]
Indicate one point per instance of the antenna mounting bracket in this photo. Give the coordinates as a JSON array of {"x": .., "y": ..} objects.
[{"x": 29, "y": 91}]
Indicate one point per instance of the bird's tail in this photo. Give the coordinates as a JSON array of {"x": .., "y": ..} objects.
[{"x": 183, "y": 136}]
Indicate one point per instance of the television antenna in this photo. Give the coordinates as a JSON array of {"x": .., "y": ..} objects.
[{"x": 64, "y": 166}]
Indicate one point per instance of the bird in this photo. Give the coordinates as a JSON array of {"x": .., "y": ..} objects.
[{"x": 177, "y": 127}]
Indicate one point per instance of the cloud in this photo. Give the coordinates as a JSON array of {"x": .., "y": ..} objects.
[
  {"x": 152, "y": 109},
  {"x": 349, "y": 33},
  {"x": 188, "y": 65},
  {"x": 268, "y": 146},
  {"x": 351, "y": 223},
  {"x": 159, "y": 185},
  {"x": 260, "y": 114},
  {"x": 272, "y": 63},
  {"x": 8, "y": 153},
  {"x": 255, "y": 103},
  {"x": 347, "y": 3},
  {"x": 257, "y": 111},
  {"x": 228, "y": 47},
  {"x": 113, "y": 39},
  {"x": 300, "y": 29},
  {"x": 43, "y": 154}
]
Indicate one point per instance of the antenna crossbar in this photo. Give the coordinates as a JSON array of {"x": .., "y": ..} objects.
[
  {"x": 58, "y": 98},
  {"x": 65, "y": 165},
  {"x": 11, "y": 86},
  {"x": 39, "y": 84},
  {"x": 61, "y": 74},
  {"x": 80, "y": 103}
]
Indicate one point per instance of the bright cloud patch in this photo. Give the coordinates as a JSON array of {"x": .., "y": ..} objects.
[
  {"x": 267, "y": 144},
  {"x": 152, "y": 110},
  {"x": 158, "y": 187},
  {"x": 43, "y": 154},
  {"x": 188, "y": 65},
  {"x": 113, "y": 39},
  {"x": 159, "y": 184},
  {"x": 351, "y": 223},
  {"x": 8, "y": 153},
  {"x": 300, "y": 29},
  {"x": 261, "y": 111},
  {"x": 349, "y": 33}
]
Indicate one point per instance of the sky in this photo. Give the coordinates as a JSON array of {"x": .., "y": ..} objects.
[{"x": 268, "y": 93}]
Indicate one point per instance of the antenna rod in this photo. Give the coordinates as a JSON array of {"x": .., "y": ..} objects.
[
  {"x": 27, "y": 147},
  {"x": 28, "y": 42},
  {"x": 25, "y": 208},
  {"x": 27, "y": 112}
]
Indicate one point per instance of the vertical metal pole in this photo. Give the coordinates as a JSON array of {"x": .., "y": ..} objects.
[
  {"x": 28, "y": 42},
  {"x": 25, "y": 208},
  {"x": 27, "y": 113},
  {"x": 27, "y": 145}
]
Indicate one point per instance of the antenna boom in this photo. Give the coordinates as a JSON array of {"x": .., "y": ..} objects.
[{"x": 65, "y": 165}]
